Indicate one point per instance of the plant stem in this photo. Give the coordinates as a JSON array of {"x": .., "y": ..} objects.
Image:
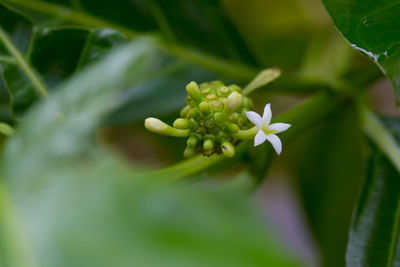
[
  {"x": 382, "y": 138},
  {"x": 160, "y": 18},
  {"x": 186, "y": 167},
  {"x": 18, "y": 250},
  {"x": 20, "y": 60},
  {"x": 7, "y": 59}
]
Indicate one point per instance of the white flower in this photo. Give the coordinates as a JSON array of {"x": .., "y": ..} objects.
[{"x": 267, "y": 131}]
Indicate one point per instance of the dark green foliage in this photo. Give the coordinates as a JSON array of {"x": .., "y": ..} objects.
[{"x": 373, "y": 28}]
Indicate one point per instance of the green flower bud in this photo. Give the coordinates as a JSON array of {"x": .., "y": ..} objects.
[
  {"x": 232, "y": 128},
  {"x": 233, "y": 101},
  {"x": 208, "y": 145},
  {"x": 213, "y": 119},
  {"x": 157, "y": 126},
  {"x": 189, "y": 151},
  {"x": 194, "y": 92},
  {"x": 236, "y": 88},
  {"x": 205, "y": 108},
  {"x": 194, "y": 113},
  {"x": 193, "y": 124},
  {"x": 185, "y": 111},
  {"x": 192, "y": 141},
  {"x": 182, "y": 124},
  {"x": 228, "y": 149},
  {"x": 219, "y": 118},
  {"x": 247, "y": 102}
]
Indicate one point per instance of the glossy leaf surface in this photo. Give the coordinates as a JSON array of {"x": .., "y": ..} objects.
[
  {"x": 372, "y": 27},
  {"x": 330, "y": 170}
]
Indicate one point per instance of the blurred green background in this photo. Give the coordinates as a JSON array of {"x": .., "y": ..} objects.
[{"x": 74, "y": 192}]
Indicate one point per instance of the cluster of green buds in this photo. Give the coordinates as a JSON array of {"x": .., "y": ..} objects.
[
  {"x": 214, "y": 119},
  {"x": 213, "y": 114}
]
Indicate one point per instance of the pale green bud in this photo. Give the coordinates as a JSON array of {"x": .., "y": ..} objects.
[
  {"x": 233, "y": 101},
  {"x": 228, "y": 149},
  {"x": 208, "y": 145},
  {"x": 182, "y": 124},
  {"x": 194, "y": 91},
  {"x": 157, "y": 126}
]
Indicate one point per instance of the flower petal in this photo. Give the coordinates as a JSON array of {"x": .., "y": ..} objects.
[
  {"x": 254, "y": 118},
  {"x": 267, "y": 115},
  {"x": 279, "y": 127},
  {"x": 275, "y": 142},
  {"x": 260, "y": 138}
]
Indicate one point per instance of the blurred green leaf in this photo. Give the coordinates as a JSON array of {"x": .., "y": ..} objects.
[
  {"x": 54, "y": 55},
  {"x": 59, "y": 52},
  {"x": 329, "y": 165},
  {"x": 371, "y": 27},
  {"x": 76, "y": 207},
  {"x": 375, "y": 231}
]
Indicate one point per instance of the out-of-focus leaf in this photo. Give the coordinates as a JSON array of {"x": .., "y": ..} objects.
[
  {"x": 78, "y": 208},
  {"x": 95, "y": 90},
  {"x": 372, "y": 27},
  {"x": 330, "y": 168},
  {"x": 375, "y": 231},
  {"x": 54, "y": 55}
]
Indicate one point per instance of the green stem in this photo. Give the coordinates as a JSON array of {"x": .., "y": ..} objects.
[
  {"x": 382, "y": 138},
  {"x": 212, "y": 62},
  {"x": 20, "y": 60},
  {"x": 186, "y": 167},
  {"x": 70, "y": 15},
  {"x": 160, "y": 19},
  {"x": 19, "y": 253},
  {"x": 246, "y": 134},
  {"x": 302, "y": 118},
  {"x": 7, "y": 59}
]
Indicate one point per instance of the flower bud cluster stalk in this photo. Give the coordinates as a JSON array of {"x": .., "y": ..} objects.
[{"x": 213, "y": 120}]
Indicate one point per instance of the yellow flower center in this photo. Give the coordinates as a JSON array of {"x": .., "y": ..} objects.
[{"x": 264, "y": 128}]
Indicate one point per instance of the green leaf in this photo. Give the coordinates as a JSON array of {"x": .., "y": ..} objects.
[
  {"x": 372, "y": 27},
  {"x": 55, "y": 54},
  {"x": 330, "y": 166},
  {"x": 375, "y": 229},
  {"x": 65, "y": 203}
]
